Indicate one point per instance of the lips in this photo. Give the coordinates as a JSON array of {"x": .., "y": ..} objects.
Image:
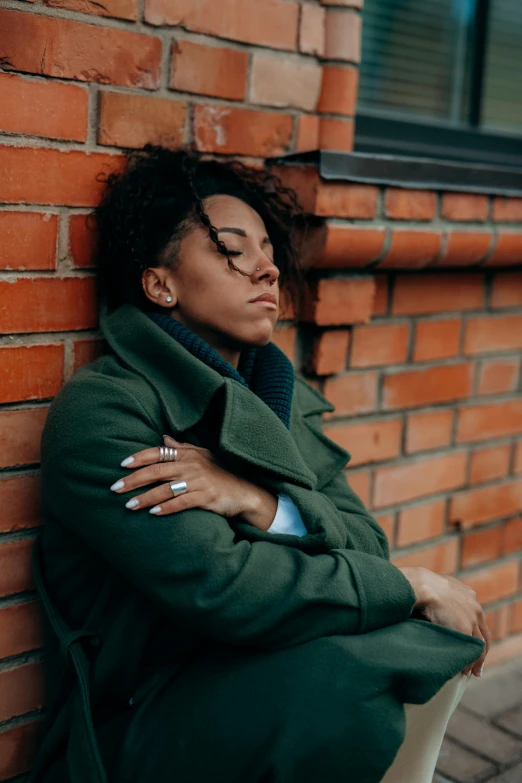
[{"x": 266, "y": 297}]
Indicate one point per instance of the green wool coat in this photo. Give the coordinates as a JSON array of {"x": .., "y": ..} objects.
[{"x": 192, "y": 648}]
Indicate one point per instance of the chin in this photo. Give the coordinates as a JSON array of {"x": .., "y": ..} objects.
[{"x": 260, "y": 338}]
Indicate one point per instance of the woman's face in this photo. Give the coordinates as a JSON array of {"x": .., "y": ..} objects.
[{"x": 213, "y": 300}]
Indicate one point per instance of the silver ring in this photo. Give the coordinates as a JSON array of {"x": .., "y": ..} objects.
[
  {"x": 168, "y": 454},
  {"x": 178, "y": 487}
]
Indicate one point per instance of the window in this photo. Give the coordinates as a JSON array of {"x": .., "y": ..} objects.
[{"x": 442, "y": 78}]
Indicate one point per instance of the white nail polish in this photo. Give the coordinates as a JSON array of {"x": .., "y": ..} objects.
[
  {"x": 132, "y": 503},
  {"x": 127, "y": 461},
  {"x": 118, "y": 485},
  {"x": 155, "y": 510}
]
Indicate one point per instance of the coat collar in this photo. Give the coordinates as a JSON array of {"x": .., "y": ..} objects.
[{"x": 250, "y": 430}]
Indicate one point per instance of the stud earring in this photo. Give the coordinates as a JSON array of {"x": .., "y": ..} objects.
[
  {"x": 258, "y": 268},
  {"x": 169, "y": 299}
]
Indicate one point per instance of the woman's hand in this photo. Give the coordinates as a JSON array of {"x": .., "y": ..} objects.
[
  {"x": 447, "y": 601},
  {"x": 209, "y": 486}
]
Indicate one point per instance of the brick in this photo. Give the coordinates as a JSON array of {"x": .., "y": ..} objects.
[
  {"x": 272, "y": 23},
  {"x": 336, "y": 134},
  {"x": 493, "y": 695},
  {"x": 411, "y": 249},
  {"x": 359, "y": 481},
  {"x": 312, "y": 29},
  {"x": 482, "y": 737},
  {"x": 419, "y": 294},
  {"x": 135, "y": 120},
  {"x": 516, "y": 627},
  {"x": 21, "y": 433},
  {"x": 427, "y": 386},
  {"x": 348, "y": 201},
  {"x": 18, "y": 748},
  {"x": 285, "y": 339},
  {"x": 517, "y": 467},
  {"x": 442, "y": 558},
  {"x": 431, "y": 430},
  {"x": 454, "y": 760},
  {"x": 85, "y": 351},
  {"x": 464, "y": 248},
  {"x": 34, "y": 175},
  {"x": 502, "y": 627},
  {"x": 241, "y": 131},
  {"x": 380, "y": 306},
  {"x": 401, "y": 204},
  {"x": 77, "y": 310},
  {"x": 481, "y": 546},
  {"x": 375, "y": 345},
  {"x": 421, "y": 522},
  {"x": 489, "y": 463},
  {"x": 15, "y": 567},
  {"x": 497, "y": 333},
  {"x": 280, "y": 81},
  {"x": 484, "y": 504},
  {"x": 209, "y": 70},
  {"x": 494, "y": 582},
  {"x": 489, "y": 420},
  {"x": 506, "y": 650},
  {"x": 338, "y": 90},
  {"x": 119, "y": 9},
  {"x": 30, "y": 372},
  {"x": 512, "y": 536},
  {"x": 352, "y": 394},
  {"x": 507, "y": 289},
  {"x": 307, "y": 133},
  {"x": 82, "y": 241},
  {"x": 464, "y": 206},
  {"x": 508, "y": 250},
  {"x": 286, "y": 306},
  {"x": 20, "y": 499},
  {"x": 436, "y": 339},
  {"x": 330, "y": 352},
  {"x": 351, "y": 246},
  {"x": 498, "y": 376},
  {"x": 387, "y": 522},
  {"x": 75, "y": 50},
  {"x": 22, "y": 690},
  {"x": 28, "y": 240},
  {"x": 340, "y": 302},
  {"x": 375, "y": 441},
  {"x": 20, "y": 629},
  {"x": 416, "y": 479},
  {"x": 343, "y": 32},
  {"x": 507, "y": 210},
  {"x": 50, "y": 109}
]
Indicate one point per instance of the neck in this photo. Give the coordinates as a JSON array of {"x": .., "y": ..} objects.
[{"x": 229, "y": 353}]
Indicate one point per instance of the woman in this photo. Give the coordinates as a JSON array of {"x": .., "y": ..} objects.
[{"x": 221, "y": 605}]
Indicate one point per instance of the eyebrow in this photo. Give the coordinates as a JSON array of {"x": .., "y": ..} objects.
[{"x": 240, "y": 233}]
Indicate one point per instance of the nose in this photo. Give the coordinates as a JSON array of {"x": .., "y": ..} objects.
[{"x": 265, "y": 270}]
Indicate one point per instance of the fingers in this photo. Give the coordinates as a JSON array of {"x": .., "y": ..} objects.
[
  {"x": 160, "y": 496},
  {"x": 483, "y": 632},
  {"x": 183, "y": 502}
]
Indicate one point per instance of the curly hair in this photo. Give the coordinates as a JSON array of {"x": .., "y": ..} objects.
[{"x": 147, "y": 209}]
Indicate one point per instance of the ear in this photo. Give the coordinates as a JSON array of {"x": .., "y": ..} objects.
[{"x": 158, "y": 285}]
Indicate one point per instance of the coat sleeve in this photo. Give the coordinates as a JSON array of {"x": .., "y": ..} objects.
[{"x": 190, "y": 564}]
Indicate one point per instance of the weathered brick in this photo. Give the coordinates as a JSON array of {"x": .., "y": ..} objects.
[
  {"x": 436, "y": 339},
  {"x": 421, "y": 522},
  {"x": 380, "y": 306},
  {"x": 512, "y": 536},
  {"x": 497, "y": 333},
  {"x": 517, "y": 467},
  {"x": 374, "y": 441},
  {"x": 75, "y": 50},
  {"x": 336, "y": 134},
  {"x": 77, "y": 310},
  {"x": 330, "y": 352},
  {"x": 209, "y": 70},
  {"x": 348, "y": 201},
  {"x": 489, "y": 463},
  {"x": 22, "y": 690},
  {"x": 36, "y": 108},
  {"x": 271, "y": 23},
  {"x": 285, "y": 339},
  {"x": 46, "y": 176},
  {"x": 427, "y": 386},
  {"x": 307, "y": 133},
  {"x": 338, "y": 90},
  {"x": 20, "y": 628},
  {"x": 387, "y": 522},
  {"x": 420, "y": 294},
  {"x": 481, "y": 546},
  {"x": 30, "y": 372},
  {"x": 508, "y": 250},
  {"x": 15, "y": 567},
  {"x": 489, "y": 420},
  {"x": 498, "y": 376},
  {"x": 134, "y": 120},
  {"x": 411, "y": 249},
  {"x": 494, "y": 582},
  {"x": 359, "y": 481},
  {"x": 120, "y": 9},
  {"x": 351, "y": 246},
  {"x": 28, "y": 240},
  {"x": 507, "y": 289},
  {"x": 312, "y": 29},
  {"x": 82, "y": 240},
  {"x": 415, "y": 479},
  {"x": 20, "y": 499},
  {"x": 340, "y": 302},
  {"x": 507, "y": 210},
  {"x": 429, "y": 430},
  {"x": 401, "y": 204},
  {"x": 343, "y": 31},
  {"x": 464, "y": 206},
  {"x": 85, "y": 351},
  {"x": 380, "y": 344},
  {"x": 21, "y": 433},
  {"x": 18, "y": 748},
  {"x": 352, "y": 394},
  {"x": 464, "y": 248},
  {"x": 454, "y": 760},
  {"x": 442, "y": 559},
  {"x": 241, "y": 131},
  {"x": 278, "y": 81},
  {"x": 484, "y": 504}
]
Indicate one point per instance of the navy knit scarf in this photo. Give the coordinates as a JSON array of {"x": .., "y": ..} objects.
[{"x": 266, "y": 371}]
